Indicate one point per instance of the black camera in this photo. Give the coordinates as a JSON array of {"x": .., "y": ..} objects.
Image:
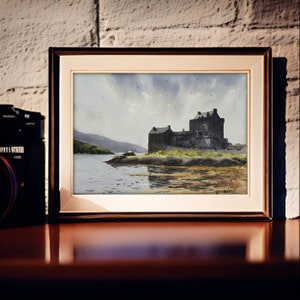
[{"x": 22, "y": 167}]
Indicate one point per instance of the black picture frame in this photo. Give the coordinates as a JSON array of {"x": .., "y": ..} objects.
[{"x": 255, "y": 203}]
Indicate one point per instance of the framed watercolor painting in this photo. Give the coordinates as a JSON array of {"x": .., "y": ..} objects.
[{"x": 160, "y": 133}]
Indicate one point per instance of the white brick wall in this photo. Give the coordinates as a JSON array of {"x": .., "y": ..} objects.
[{"x": 29, "y": 28}]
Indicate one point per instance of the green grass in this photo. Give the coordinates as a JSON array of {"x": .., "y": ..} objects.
[
  {"x": 197, "y": 153},
  {"x": 80, "y": 147}
]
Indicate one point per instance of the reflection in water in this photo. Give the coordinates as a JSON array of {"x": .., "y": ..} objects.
[
  {"x": 198, "y": 179},
  {"x": 92, "y": 175}
]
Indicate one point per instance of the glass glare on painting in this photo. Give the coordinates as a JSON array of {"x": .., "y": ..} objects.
[{"x": 180, "y": 133}]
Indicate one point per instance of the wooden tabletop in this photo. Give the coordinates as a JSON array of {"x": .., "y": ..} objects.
[{"x": 148, "y": 251}]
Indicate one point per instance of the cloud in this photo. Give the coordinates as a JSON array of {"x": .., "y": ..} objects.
[{"x": 126, "y": 106}]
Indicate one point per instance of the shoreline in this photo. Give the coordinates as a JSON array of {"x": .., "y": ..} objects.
[{"x": 214, "y": 160}]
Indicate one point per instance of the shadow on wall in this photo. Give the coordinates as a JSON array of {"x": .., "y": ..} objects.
[{"x": 279, "y": 129}]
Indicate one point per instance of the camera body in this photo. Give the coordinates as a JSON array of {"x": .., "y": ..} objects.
[{"x": 22, "y": 167}]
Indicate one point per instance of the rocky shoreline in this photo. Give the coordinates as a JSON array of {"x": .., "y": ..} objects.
[{"x": 132, "y": 159}]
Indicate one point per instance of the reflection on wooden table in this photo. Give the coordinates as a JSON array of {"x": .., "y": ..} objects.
[{"x": 150, "y": 249}]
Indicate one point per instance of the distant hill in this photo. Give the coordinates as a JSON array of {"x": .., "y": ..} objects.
[
  {"x": 112, "y": 145},
  {"x": 80, "y": 147}
]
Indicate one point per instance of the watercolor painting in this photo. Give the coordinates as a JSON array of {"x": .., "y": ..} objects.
[{"x": 160, "y": 133}]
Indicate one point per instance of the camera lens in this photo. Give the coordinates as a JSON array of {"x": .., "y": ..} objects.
[{"x": 8, "y": 187}]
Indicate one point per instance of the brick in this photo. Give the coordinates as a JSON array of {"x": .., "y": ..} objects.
[
  {"x": 275, "y": 14},
  {"x": 157, "y": 15},
  {"x": 29, "y": 28}
]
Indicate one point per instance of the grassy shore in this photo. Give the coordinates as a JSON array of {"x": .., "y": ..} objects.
[
  {"x": 198, "y": 153},
  {"x": 184, "y": 157}
]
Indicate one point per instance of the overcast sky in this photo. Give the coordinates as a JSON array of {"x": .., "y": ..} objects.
[{"x": 125, "y": 107}]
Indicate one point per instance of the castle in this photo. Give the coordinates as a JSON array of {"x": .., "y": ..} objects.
[{"x": 206, "y": 131}]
